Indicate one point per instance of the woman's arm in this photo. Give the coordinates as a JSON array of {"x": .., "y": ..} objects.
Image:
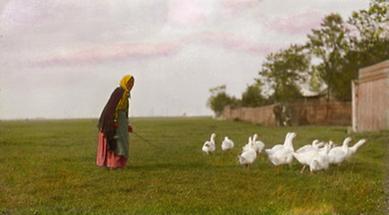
[{"x": 106, "y": 121}]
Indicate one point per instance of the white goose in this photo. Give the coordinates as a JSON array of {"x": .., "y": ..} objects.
[
  {"x": 257, "y": 144},
  {"x": 339, "y": 153},
  {"x": 282, "y": 154},
  {"x": 227, "y": 144},
  {"x": 248, "y": 145},
  {"x": 307, "y": 153},
  {"x": 209, "y": 145},
  {"x": 278, "y": 146},
  {"x": 354, "y": 148},
  {"x": 248, "y": 156},
  {"x": 331, "y": 144},
  {"x": 321, "y": 159},
  {"x": 315, "y": 145}
]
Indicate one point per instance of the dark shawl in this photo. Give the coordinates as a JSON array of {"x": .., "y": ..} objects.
[{"x": 106, "y": 121}]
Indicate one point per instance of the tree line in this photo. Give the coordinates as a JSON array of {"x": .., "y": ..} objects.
[{"x": 326, "y": 63}]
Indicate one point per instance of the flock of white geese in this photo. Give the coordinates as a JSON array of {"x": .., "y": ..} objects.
[{"x": 317, "y": 156}]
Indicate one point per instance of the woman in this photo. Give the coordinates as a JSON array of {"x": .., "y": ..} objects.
[{"x": 112, "y": 149}]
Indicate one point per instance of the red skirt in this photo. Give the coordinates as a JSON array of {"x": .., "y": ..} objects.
[{"x": 106, "y": 157}]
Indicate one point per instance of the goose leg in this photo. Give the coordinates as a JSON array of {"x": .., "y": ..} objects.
[{"x": 302, "y": 169}]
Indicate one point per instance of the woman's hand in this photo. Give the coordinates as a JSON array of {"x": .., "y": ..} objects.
[{"x": 130, "y": 130}]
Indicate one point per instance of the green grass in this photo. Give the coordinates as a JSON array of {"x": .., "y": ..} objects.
[{"x": 48, "y": 167}]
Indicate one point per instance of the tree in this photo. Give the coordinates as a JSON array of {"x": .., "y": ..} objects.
[
  {"x": 284, "y": 70},
  {"x": 370, "y": 26},
  {"x": 253, "y": 97},
  {"x": 329, "y": 45},
  {"x": 220, "y": 99},
  {"x": 369, "y": 41}
]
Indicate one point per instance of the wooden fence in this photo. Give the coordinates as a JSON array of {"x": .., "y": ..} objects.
[
  {"x": 311, "y": 112},
  {"x": 371, "y": 98}
]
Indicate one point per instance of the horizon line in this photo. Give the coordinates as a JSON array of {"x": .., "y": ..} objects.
[{"x": 96, "y": 118}]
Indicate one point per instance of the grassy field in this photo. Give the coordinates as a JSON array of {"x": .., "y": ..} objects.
[{"x": 48, "y": 167}]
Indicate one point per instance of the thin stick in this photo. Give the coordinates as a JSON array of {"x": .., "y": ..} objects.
[{"x": 146, "y": 140}]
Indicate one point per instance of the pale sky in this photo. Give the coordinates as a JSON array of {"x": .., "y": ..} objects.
[{"x": 63, "y": 58}]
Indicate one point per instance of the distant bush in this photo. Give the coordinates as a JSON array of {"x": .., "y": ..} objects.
[{"x": 220, "y": 99}]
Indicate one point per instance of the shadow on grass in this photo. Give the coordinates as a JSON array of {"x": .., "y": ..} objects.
[{"x": 173, "y": 166}]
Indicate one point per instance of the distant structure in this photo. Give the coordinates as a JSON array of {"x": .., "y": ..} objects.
[
  {"x": 305, "y": 112},
  {"x": 370, "y": 98}
]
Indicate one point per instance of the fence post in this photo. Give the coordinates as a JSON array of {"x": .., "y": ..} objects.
[{"x": 354, "y": 111}]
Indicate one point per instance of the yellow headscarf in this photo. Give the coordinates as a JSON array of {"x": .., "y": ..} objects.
[{"x": 123, "y": 103}]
